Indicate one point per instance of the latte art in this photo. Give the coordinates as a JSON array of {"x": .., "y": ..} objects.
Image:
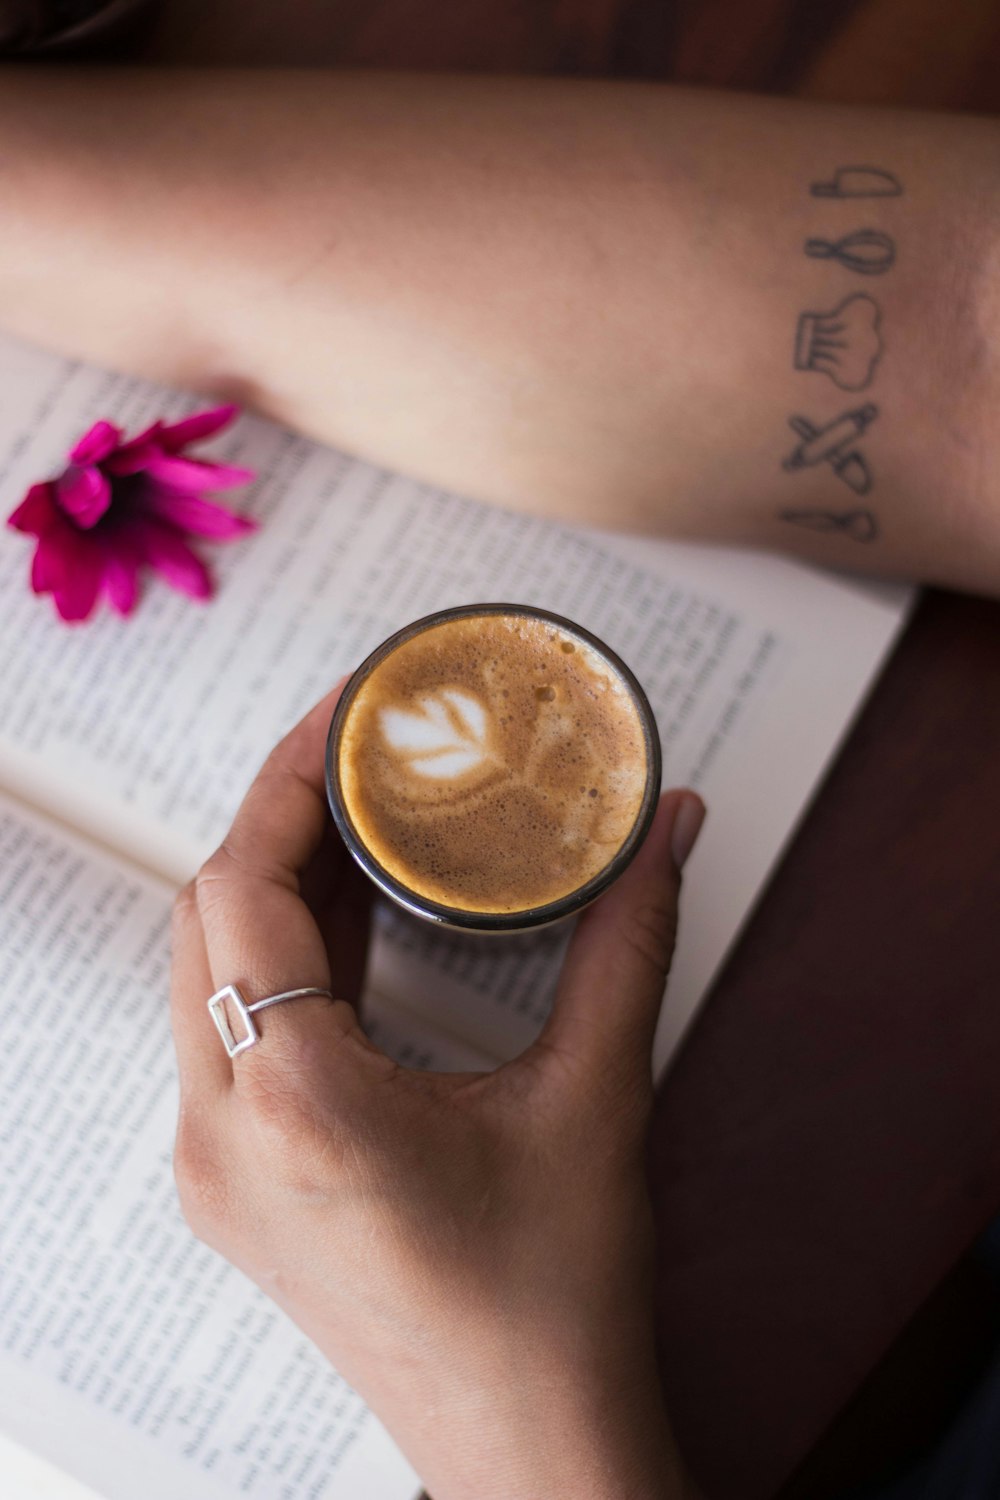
[
  {"x": 492, "y": 762},
  {"x": 444, "y": 735}
]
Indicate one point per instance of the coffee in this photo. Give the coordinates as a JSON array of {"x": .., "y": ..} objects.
[{"x": 493, "y": 760}]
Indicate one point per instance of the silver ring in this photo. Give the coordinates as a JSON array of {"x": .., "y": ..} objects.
[{"x": 229, "y": 995}]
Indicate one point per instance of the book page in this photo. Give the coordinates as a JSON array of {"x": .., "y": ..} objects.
[
  {"x": 147, "y": 732},
  {"x": 130, "y": 1354},
  {"x": 408, "y": 1038},
  {"x": 28, "y": 1476}
]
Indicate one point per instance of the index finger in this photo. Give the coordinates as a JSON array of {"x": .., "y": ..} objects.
[
  {"x": 204, "y": 1069},
  {"x": 242, "y": 918},
  {"x": 281, "y": 819}
]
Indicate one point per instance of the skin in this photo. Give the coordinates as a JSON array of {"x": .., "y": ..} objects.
[
  {"x": 580, "y": 297},
  {"x": 429, "y": 1231}
]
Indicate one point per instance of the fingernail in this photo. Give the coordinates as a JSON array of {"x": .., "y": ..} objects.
[{"x": 687, "y": 825}]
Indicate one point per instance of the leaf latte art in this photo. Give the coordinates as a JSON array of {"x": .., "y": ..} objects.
[
  {"x": 493, "y": 763},
  {"x": 445, "y": 735}
]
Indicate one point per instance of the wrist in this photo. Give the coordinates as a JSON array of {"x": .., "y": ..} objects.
[
  {"x": 530, "y": 1426},
  {"x": 600, "y": 1451}
]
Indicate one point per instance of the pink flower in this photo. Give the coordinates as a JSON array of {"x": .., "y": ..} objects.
[{"x": 120, "y": 506}]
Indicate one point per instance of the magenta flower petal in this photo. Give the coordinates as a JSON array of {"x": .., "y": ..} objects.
[
  {"x": 76, "y": 571},
  {"x": 191, "y": 474},
  {"x": 200, "y": 424},
  {"x": 96, "y": 444},
  {"x": 49, "y": 564},
  {"x": 196, "y": 515},
  {"x": 84, "y": 495},
  {"x": 132, "y": 458},
  {"x": 121, "y": 580},
  {"x": 166, "y": 550},
  {"x": 147, "y": 435},
  {"x": 40, "y": 576},
  {"x": 36, "y": 512},
  {"x": 68, "y": 564}
]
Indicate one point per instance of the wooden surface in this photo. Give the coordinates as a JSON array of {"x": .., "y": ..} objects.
[{"x": 829, "y": 1142}]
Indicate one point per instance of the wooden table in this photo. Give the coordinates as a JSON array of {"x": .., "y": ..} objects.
[{"x": 829, "y": 1142}]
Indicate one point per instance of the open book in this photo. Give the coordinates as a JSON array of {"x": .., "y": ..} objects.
[{"x": 130, "y": 1355}]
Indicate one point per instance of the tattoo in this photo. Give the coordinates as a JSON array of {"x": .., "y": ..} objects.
[
  {"x": 831, "y": 445},
  {"x": 859, "y": 182},
  {"x": 859, "y": 525},
  {"x": 870, "y": 252},
  {"x": 844, "y": 344}
]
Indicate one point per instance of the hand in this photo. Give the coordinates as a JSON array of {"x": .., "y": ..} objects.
[{"x": 472, "y": 1251}]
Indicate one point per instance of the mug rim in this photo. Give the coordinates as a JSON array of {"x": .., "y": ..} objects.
[{"x": 460, "y": 917}]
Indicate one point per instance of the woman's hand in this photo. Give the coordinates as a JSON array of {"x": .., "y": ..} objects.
[{"x": 472, "y": 1251}]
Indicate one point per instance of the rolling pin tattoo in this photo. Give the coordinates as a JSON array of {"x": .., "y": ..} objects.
[
  {"x": 859, "y": 182},
  {"x": 828, "y": 444}
]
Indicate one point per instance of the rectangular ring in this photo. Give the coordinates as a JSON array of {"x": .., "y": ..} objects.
[{"x": 229, "y": 995}]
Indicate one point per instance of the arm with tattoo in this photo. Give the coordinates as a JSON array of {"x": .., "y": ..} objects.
[{"x": 714, "y": 316}]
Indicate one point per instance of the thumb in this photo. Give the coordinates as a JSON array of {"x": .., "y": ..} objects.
[{"x": 609, "y": 994}]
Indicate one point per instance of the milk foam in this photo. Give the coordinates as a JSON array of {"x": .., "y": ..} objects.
[
  {"x": 444, "y": 735},
  {"x": 493, "y": 762}
]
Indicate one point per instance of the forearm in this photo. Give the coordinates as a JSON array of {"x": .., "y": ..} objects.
[{"x": 578, "y": 297}]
